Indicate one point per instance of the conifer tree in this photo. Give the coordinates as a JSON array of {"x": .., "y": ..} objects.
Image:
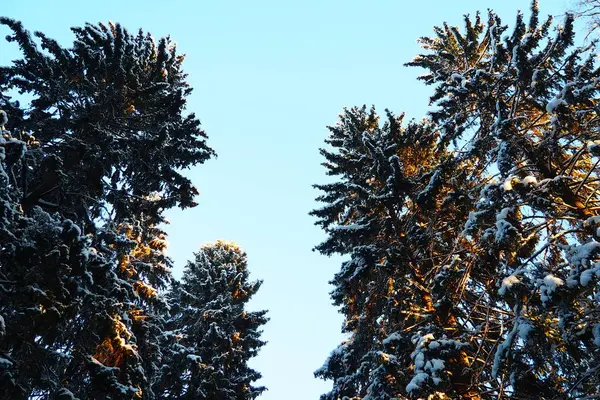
[
  {"x": 43, "y": 263},
  {"x": 526, "y": 102},
  {"x": 383, "y": 293},
  {"x": 474, "y": 269},
  {"x": 98, "y": 158},
  {"x": 213, "y": 334}
]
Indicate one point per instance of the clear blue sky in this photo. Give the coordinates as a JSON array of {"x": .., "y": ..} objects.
[{"x": 268, "y": 77}]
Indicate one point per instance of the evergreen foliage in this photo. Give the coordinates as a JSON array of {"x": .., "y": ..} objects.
[
  {"x": 213, "y": 334},
  {"x": 473, "y": 256},
  {"x": 87, "y": 170}
]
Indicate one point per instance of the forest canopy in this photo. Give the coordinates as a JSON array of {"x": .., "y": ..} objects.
[
  {"x": 88, "y": 305},
  {"x": 471, "y": 236}
]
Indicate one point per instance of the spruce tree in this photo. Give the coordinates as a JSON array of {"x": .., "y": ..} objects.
[
  {"x": 473, "y": 270},
  {"x": 386, "y": 172},
  {"x": 98, "y": 157},
  {"x": 43, "y": 279},
  {"x": 213, "y": 335},
  {"x": 526, "y": 103}
]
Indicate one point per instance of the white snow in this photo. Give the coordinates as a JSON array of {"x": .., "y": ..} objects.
[
  {"x": 507, "y": 284},
  {"x": 4, "y": 363},
  {"x": 590, "y": 86},
  {"x": 390, "y": 338},
  {"x": 549, "y": 285},
  {"x": 503, "y": 348},
  {"x": 426, "y": 368},
  {"x": 417, "y": 381},
  {"x": 596, "y": 333},
  {"x": 594, "y": 146},
  {"x": 492, "y": 34},
  {"x": 586, "y": 276},
  {"x": 419, "y": 361},
  {"x": 472, "y": 221},
  {"x": 503, "y": 227},
  {"x": 425, "y": 339},
  {"x": 350, "y": 227},
  {"x": 524, "y": 329},
  {"x": 528, "y": 180},
  {"x": 503, "y": 214},
  {"x": 513, "y": 60},
  {"x": 434, "y": 365},
  {"x": 558, "y": 99},
  {"x": 553, "y": 104},
  {"x": 592, "y": 221},
  {"x": 334, "y": 353},
  {"x": 461, "y": 78},
  {"x": 434, "y": 345},
  {"x": 534, "y": 78},
  {"x": 552, "y": 282},
  {"x": 580, "y": 255}
]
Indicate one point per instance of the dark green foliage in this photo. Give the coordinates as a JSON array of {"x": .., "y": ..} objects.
[
  {"x": 44, "y": 264},
  {"x": 212, "y": 335},
  {"x": 116, "y": 101},
  {"x": 87, "y": 174},
  {"x": 474, "y": 257}
]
